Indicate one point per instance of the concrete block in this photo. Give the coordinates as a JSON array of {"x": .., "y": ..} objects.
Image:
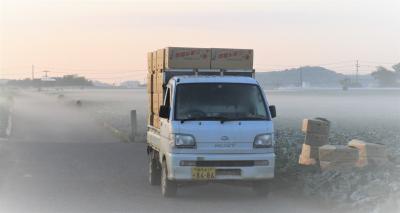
[
  {"x": 338, "y": 153},
  {"x": 316, "y": 126},
  {"x": 318, "y": 140},
  {"x": 369, "y": 152}
]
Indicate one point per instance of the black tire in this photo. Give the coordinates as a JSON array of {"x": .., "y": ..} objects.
[
  {"x": 154, "y": 171},
  {"x": 261, "y": 188},
  {"x": 168, "y": 187}
]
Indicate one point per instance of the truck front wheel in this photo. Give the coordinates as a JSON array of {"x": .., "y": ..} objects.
[
  {"x": 154, "y": 171},
  {"x": 168, "y": 187}
]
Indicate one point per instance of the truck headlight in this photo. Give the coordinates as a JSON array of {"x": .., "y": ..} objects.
[
  {"x": 263, "y": 141},
  {"x": 184, "y": 141}
]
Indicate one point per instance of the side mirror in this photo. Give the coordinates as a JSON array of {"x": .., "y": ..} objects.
[
  {"x": 272, "y": 110},
  {"x": 164, "y": 112}
]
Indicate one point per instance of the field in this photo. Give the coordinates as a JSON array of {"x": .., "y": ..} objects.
[
  {"x": 363, "y": 114},
  {"x": 5, "y": 106},
  {"x": 372, "y": 115}
]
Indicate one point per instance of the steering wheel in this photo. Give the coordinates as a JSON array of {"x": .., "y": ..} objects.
[{"x": 195, "y": 113}]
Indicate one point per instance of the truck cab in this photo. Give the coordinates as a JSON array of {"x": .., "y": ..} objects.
[{"x": 212, "y": 128}]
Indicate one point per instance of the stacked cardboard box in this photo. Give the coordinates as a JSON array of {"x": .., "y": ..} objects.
[
  {"x": 185, "y": 58},
  {"x": 202, "y": 58},
  {"x": 231, "y": 58},
  {"x": 169, "y": 58},
  {"x": 316, "y": 131},
  {"x": 316, "y": 135},
  {"x": 357, "y": 153},
  {"x": 155, "y": 89}
]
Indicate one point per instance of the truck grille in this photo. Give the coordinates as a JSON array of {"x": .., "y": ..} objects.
[
  {"x": 234, "y": 172},
  {"x": 224, "y": 163}
]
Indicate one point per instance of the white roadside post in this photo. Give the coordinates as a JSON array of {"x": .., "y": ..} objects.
[{"x": 133, "y": 125}]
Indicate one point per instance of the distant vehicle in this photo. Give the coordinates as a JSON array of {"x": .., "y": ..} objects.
[{"x": 209, "y": 120}]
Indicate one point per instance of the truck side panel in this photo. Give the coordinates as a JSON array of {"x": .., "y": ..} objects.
[{"x": 153, "y": 139}]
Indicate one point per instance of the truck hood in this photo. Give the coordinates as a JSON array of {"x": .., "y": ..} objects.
[{"x": 227, "y": 137}]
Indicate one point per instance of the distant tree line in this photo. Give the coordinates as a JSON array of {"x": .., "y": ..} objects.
[
  {"x": 386, "y": 77},
  {"x": 66, "y": 80}
]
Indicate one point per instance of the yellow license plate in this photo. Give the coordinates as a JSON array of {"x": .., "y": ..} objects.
[{"x": 203, "y": 173}]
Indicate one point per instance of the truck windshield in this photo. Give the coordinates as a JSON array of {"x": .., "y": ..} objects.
[{"x": 219, "y": 101}]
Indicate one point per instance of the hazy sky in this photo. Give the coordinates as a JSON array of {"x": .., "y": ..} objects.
[{"x": 108, "y": 39}]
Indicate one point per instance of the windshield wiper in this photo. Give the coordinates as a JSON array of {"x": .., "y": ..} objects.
[
  {"x": 219, "y": 118},
  {"x": 224, "y": 119},
  {"x": 246, "y": 118}
]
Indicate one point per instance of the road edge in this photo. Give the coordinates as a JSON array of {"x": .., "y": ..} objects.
[
  {"x": 9, "y": 126},
  {"x": 8, "y": 129}
]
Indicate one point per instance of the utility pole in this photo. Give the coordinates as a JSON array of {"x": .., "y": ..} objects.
[
  {"x": 301, "y": 78},
  {"x": 357, "y": 66},
  {"x": 33, "y": 72},
  {"x": 45, "y": 73}
]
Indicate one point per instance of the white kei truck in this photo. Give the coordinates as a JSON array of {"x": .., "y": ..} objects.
[{"x": 209, "y": 120}]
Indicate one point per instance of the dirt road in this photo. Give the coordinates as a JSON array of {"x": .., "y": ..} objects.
[{"x": 59, "y": 160}]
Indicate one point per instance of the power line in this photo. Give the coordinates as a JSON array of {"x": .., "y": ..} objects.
[
  {"x": 96, "y": 71},
  {"x": 102, "y": 73},
  {"x": 379, "y": 63},
  {"x": 339, "y": 63},
  {"x": 357, "y": 66},
  {"x": 33, "y": 72},
  {"x": 305, "y": 64},
  {"x": 11, "y": 74},
  {"x": 45, "y": 73}
]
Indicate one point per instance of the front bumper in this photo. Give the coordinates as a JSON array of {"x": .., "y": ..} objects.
[{"x": 184, "y": 173}]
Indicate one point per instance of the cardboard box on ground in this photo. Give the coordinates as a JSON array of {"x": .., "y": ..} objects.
[
  {"x": 316, "y": 135},
  {"x": 369, "y": 153},
  {"x": 338, "y": 153},
  {"x": 318, "y": 126},
  {"x": 309, "y": 155},
  {"x": 316, "y": 140},
  {"x": 356, "y": 153}
]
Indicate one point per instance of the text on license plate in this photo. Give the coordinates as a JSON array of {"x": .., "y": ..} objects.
[{"x": 203, "y": 173}]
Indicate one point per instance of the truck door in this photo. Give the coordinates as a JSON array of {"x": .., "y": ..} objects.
[{"x": 164, "y": 122}]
